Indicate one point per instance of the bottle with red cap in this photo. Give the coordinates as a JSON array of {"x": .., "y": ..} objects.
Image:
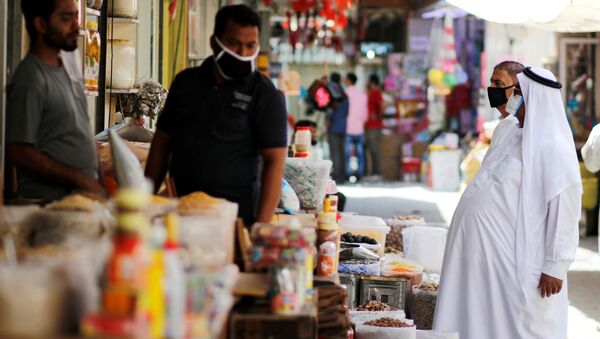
[{"x": 302, "y": 139}]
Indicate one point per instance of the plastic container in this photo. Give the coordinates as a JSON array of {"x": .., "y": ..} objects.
[
  {"x": 123, "y": 8},
  {"x": 373, "y": 227},
  {"x": 302, "y": 138},
  {"x": 426, "y": 246},
  {"x": 120, "y": 64},
  {"x": 395, "y": 266},
  {"x": 92, "y": 56}
]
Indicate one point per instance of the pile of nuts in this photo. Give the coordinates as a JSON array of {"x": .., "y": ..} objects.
[
  {"x": 375, "y": 306},
  {"x": 428, "y": 286},
  {"x": 406, "y": 217},
  {"x": 387, "y": 322},
  {"x": 422, "y": 304}
]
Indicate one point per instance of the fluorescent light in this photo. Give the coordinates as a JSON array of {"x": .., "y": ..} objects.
[{"x": 371, "y": 55}]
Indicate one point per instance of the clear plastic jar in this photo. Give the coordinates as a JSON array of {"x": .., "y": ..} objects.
[
  {"x": 123, "y": 8},
  {"x": 302, "y": 139},
  {"x": 120, "y": 64},
  {"x": 92, "y": 56}
]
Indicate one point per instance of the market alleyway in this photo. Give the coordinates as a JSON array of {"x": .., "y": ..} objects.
[{"x": 389, "y": 199}]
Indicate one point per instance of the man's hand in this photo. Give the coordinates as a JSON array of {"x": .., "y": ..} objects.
[
  {"x": 87, "y": 184},
  {"x": 549, "y": 285}
]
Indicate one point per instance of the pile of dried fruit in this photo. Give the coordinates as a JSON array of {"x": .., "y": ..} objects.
[
  {"x": 387, "y": 322},
  {"x": 358, "y": 239},
  {"x": 375, "y": 306}
]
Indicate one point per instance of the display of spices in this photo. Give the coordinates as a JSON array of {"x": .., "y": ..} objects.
[
  {"x": 387, "y": 322},
  {"x": 422, "y": 304},
  {"x": 375, "y": 306}
]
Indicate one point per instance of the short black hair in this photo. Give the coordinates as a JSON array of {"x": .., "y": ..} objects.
[
  {"x": 335, "y": 77},
  {"x": 32, "y": 9},
  {"x": 240, "y": 14},
  {"x": 305, "y": 123},
  {"x": 374, "y": 79},
  {"x": 352, "y": 77},
  {"x": 511, "y": 67}
]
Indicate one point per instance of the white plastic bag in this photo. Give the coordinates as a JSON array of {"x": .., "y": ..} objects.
[
  {"x": 425, "y": 245},
  {"x": 309, "y": 179},
  {"x": 437, "y": 335},
  {"x": 373, "y": 332},
  {"x": 289, "y": 199}
]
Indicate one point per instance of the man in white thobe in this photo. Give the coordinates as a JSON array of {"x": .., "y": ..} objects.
[{"x": 515, "y": 230}]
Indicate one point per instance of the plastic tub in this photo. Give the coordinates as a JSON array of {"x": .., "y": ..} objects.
[{"x": 373, "y": 227}]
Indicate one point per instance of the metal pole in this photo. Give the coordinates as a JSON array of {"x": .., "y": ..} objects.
[{"x": 3, "y": 20}]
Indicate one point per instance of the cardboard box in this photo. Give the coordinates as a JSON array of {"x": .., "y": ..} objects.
[
  {"x": 391, "y": 144},
  {"x": 390, "y": 167}
]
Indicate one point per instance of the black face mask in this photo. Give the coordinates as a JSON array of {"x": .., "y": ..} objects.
[
  {"x": 233, "y": 66},
  {"x": 497, "y": 95}
]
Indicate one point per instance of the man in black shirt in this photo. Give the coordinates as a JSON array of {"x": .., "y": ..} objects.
[{"x": 220, "y": 119}]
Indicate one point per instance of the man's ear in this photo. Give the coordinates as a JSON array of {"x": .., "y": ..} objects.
[{"x": 40, "y": 25}]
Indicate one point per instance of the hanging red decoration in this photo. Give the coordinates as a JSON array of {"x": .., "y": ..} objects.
[
  {"x": 303, "y": 5},
  {"x": 341, "y": 20},
  {"x": 327, "y": 10},
  {"x": 342, "y": 5}
]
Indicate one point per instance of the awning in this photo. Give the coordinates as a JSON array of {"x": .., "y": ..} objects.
[{"x": 554, "y": 15}]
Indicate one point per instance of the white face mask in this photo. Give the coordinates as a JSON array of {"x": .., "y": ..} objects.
[
  {"x": 233, "y": 66},
  {"x": 514, "y": 103}
]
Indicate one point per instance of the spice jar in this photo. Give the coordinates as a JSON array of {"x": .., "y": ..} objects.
[
  {"x": 92, "y": 56},
  {"x": 328, "y": 244},
  {"x": 120, "y": 64},
  {"x": 123, "y": 8}
]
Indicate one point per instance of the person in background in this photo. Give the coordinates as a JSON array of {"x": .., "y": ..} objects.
[
  {"x": 336, "y": 131},
  {"x": 355, "y": 129},
  {"x": 374, "y": 124},
  {"x": 591, "y": 157},
  {"x": 48, "y": 135},
  {"x": 221, "y": 119},
  {"x": 515, "y": 231}
]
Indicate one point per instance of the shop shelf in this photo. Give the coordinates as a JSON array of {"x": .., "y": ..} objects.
[
  {"x": 124, "y": 20},
  {"x": 122, "y": 91},
  {"x": 92, "y": 12},
  {"x": 91, "y": 93}
]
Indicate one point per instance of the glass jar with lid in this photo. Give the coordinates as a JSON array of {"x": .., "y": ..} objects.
[
  {"x": 123, "y": 8},
  {"x": 120, "y": 64}
]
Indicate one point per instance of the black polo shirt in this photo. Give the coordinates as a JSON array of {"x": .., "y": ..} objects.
[{"x": 218, "y": 132}]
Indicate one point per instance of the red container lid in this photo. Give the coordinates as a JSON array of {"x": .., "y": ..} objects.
[
  {"x": 303, "y": 128},
  {"x": 301, "y": 155}
]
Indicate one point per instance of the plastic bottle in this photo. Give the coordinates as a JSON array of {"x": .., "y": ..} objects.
[{"x": 175, "y": 281}]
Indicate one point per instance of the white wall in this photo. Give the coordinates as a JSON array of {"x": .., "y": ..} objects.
[{"x": 529, "y": 46}]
